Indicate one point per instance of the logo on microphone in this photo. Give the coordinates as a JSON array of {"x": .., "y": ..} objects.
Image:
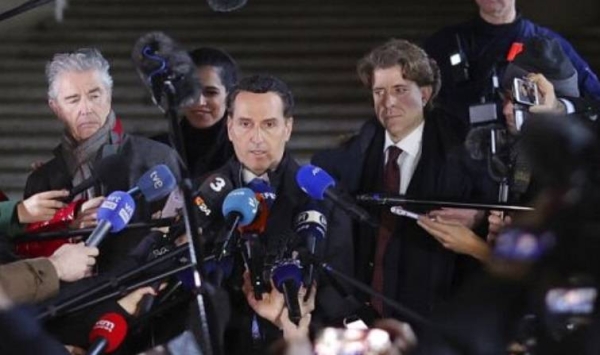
[
  {"x": 157, "y": 182},
  {"x": 126, "y": 212},
  {"x": 198, "y": 201},
  {"x": 104, "y": 324},
  {"x": 218, "y": 184}
]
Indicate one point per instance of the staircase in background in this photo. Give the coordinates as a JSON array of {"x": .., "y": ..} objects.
[{"x": 312, "y": 44}]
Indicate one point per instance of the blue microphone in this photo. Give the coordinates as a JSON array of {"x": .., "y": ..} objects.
[
  {"x": 287, "y": 278},
  {"x": 239, "y": 209},
  {"x": 113, "y": 215},
  {"x": 311, "y": 225},
  {"x": 155, "y": 184},
  {"x": 263, "y": 190},
  {"x": 318, "y": 184}
]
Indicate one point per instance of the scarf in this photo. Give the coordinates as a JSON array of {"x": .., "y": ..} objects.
[{"x": 79, "y": 156}]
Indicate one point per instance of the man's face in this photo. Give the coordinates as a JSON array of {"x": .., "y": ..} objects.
[
  {"x": 82, "y": 102},
  {"x": 211, "y": 105},
  {"x": 495, "y": 7},
  {"x": 258, "y": 130},
  {"x": 398, "y": 102}
]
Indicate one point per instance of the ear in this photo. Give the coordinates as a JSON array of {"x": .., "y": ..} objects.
[
  {"x": 289, "y": 127},
  {"x": 426, "y": 92},
  {"x": 229, "y": 126},
  {"x": 54, "y": 107}
]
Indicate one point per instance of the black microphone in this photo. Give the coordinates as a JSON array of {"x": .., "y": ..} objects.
[
  {"x": 311, "y": 224},
  {"x": 165, "y": 68},
  {"x": 318, "y": 184},
  {"x": 287, "y": 278},
  {"x": 209, "y": 198},
  {"x": 102, "y": 169},
  {"x": 254, "y": 251}
]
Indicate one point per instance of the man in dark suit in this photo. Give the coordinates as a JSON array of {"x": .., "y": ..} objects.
[{"x": 408, "y": 149}]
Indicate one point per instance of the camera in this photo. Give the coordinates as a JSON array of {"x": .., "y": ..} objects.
[{"x": 525, "y": 92}]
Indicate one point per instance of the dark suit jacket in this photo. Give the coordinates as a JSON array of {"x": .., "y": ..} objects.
[
  {"x": 418, "y": 271},
  {"x": 336, "y": 249},
  {"x": 140, "y": 155}
]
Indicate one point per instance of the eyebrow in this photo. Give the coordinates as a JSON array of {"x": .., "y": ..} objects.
[{"x": 74, "y": 96}]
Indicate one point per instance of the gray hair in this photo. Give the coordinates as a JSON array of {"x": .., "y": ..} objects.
[{"x": 81, "y": 60}]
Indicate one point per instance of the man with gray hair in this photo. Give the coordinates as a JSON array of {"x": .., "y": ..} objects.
[{"x": 80, "y": 95}]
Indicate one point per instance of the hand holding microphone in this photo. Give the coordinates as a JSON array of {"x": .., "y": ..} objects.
[{"x": 40, "y": 207}]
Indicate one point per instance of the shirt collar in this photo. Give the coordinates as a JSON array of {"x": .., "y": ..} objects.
[
  {"x": 248, "y": 176},
  {"x": 411, "y": 144}
]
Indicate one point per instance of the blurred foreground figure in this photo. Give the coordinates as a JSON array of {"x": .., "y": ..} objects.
[{"x": 542, "y": 285}]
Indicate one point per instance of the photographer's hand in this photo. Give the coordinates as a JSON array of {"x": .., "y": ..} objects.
[{"x": 548, "y": 101}]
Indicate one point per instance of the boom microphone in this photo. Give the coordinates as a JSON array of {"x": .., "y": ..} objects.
[
  {"x": 155, "y": 184},
  {"x": 113, "y": 215},
  {"x": 163, "y": 65},
  {"x": 318, "y": 184},
  {"x": 107, "y": 334}
]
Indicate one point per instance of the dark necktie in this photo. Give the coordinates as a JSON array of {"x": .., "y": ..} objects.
[{"x": 391, "y": 185}]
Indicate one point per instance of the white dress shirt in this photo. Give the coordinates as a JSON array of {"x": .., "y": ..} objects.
[{"x": 409, "y": 158}]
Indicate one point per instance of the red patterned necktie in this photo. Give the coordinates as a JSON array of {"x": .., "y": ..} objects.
[{"x": 391, "y": 184}]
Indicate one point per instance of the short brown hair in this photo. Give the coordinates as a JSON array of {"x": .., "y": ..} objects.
[{"x": 414, "y": 62}]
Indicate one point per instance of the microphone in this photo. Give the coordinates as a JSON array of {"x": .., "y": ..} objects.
[
  {"x": 103, "y": 168},
  {"x": 226, "y": 5},
  {"x": 477, "y": 142},
  {"x": 265, "y": 197},
  {"x": 254, "y": 254},
  {"x": 287, "y": 278},
  {"x": 311, "y": 224},
  {"x": 155, "y": 184},
  {"x": 107, "y": 334},
  {"x": 318, "y": 184},
  {"x": 210, "y": 196},
  {"x": 113, "y": 215},
  {"x": 163, "y": 65},
  {"x": 239, "y": 209}
]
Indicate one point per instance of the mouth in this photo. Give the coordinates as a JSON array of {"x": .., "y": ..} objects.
[{"x": 258, "y": 153}]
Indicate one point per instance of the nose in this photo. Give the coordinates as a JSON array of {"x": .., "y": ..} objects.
[
  {"x": 257, "y": 136},
  {"x": 202, "y": 100},
  {"x": 389, "y": 100},
  {"x": 86, "y": 105}
]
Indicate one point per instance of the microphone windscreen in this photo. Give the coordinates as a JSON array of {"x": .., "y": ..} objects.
[
  {"x": 226, "y": 5},
  {"x": 113, "y": 328},
  {"x": 477, "y": 142},
  {"x": 314, "y": 181},
  {"x": 150, "y": 51},
  {"x": 210, "y": 195},
  {"x": 242, "y": 201},
  {"x": 286, "y": 271},
  {"x": 117, "y": 208},
  {"x": 261, "y": 187},
  {"x": 157, "y": 58},
  {"x": 157, "y": 183}
]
